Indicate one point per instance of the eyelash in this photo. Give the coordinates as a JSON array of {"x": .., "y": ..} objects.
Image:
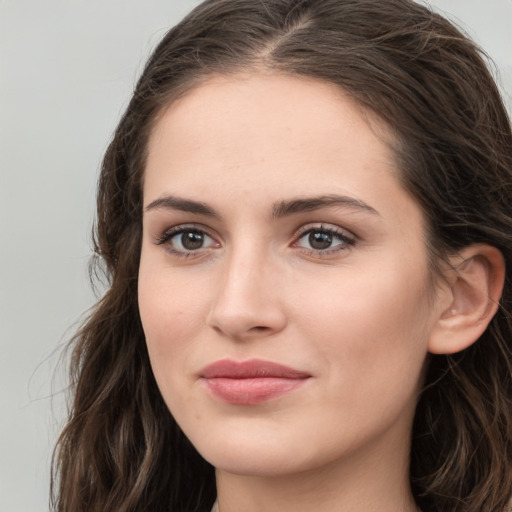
[
  {"x": 345, "y": 240},
  {"x": 168, "y": 235}
]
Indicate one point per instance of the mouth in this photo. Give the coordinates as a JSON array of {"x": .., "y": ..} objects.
[{"x": 250, "y": 382}]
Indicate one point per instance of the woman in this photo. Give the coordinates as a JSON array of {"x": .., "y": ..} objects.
[{"x": 305, "y": 219}]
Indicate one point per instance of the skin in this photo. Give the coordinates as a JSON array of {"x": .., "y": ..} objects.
[{"x": 357, "y": 316}]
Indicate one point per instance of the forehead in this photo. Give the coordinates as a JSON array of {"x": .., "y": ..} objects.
[{"x": 229, "y": 127}]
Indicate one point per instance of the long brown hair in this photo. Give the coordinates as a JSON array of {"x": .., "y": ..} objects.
[{"x": 121, "y": 449}]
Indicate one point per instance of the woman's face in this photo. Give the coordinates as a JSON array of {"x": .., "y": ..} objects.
[{"x": 283, "y": 288}]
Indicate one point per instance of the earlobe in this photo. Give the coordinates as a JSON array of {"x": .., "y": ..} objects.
[{"x": 469, "y": 299}]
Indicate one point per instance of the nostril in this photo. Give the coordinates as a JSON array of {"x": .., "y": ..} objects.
[{"x": 236, "y": 318}]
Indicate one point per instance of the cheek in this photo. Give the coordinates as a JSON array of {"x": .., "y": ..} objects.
[
  {"x": 370, "y": 343},
  {"x": 172, "y": 313},
  {"x": 374, "y": 325},
  {"x": 169, "y": 319}
]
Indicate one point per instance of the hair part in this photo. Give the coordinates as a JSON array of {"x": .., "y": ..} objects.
[{"x": 122, "y": 450}]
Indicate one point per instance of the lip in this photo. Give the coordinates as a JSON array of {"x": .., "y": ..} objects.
[{"x": 250, "y": 382}]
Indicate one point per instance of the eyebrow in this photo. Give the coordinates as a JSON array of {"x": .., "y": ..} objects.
[
  {"x": 184, "y": 205},
  {"x": 280, "y": 209},
  {"x": 284, "y": 208}
]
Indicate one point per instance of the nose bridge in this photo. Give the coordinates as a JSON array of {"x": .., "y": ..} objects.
[{"x": 247, "y": 301}]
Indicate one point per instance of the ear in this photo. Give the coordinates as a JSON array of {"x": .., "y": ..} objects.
[{"x": 468, "y": 299}]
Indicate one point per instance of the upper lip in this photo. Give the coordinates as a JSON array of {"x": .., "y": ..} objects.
[{"x": 252, "y": 368}]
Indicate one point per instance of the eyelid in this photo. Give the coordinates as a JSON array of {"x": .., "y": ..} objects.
[
  {"x": 168, "y": 234},
  {"x": 347, "y": 237},
  {"x": 323, "y": 226}
]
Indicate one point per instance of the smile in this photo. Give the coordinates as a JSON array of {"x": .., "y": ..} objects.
[{"x": 250, "y": 382}]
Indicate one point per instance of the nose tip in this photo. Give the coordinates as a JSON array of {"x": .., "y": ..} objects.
[{"x": 246, "y": 306}]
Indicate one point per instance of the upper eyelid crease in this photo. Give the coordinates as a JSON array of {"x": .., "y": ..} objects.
[
  {"x": 329, "y": 228},
  {"x": 181, "y": 228}
]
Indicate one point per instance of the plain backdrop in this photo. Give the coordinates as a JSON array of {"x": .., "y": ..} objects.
[{"x": 67, "y": 68}]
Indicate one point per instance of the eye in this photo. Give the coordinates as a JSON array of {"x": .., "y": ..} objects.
[
  {"x": 183, "y": 240},
  {"x": 324, "y": 240}
]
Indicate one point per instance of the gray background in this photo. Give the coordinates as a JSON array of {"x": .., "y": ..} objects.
[{"x": 67, "y": 68}]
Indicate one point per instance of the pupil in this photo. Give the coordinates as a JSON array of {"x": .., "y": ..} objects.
[
  {"x": 320, "y": 240},
  {"x": 192, "y": 240}
]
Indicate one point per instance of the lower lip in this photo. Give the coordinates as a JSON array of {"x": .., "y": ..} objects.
[{"x": 251, "y": 391}]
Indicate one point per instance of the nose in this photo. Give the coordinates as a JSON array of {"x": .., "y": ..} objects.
[{"x": 247, "y": 302}]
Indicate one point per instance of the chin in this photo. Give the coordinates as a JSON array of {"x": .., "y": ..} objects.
[
  {"x": 257, "y": 454},
  {"x": 256, "y": 463}
]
